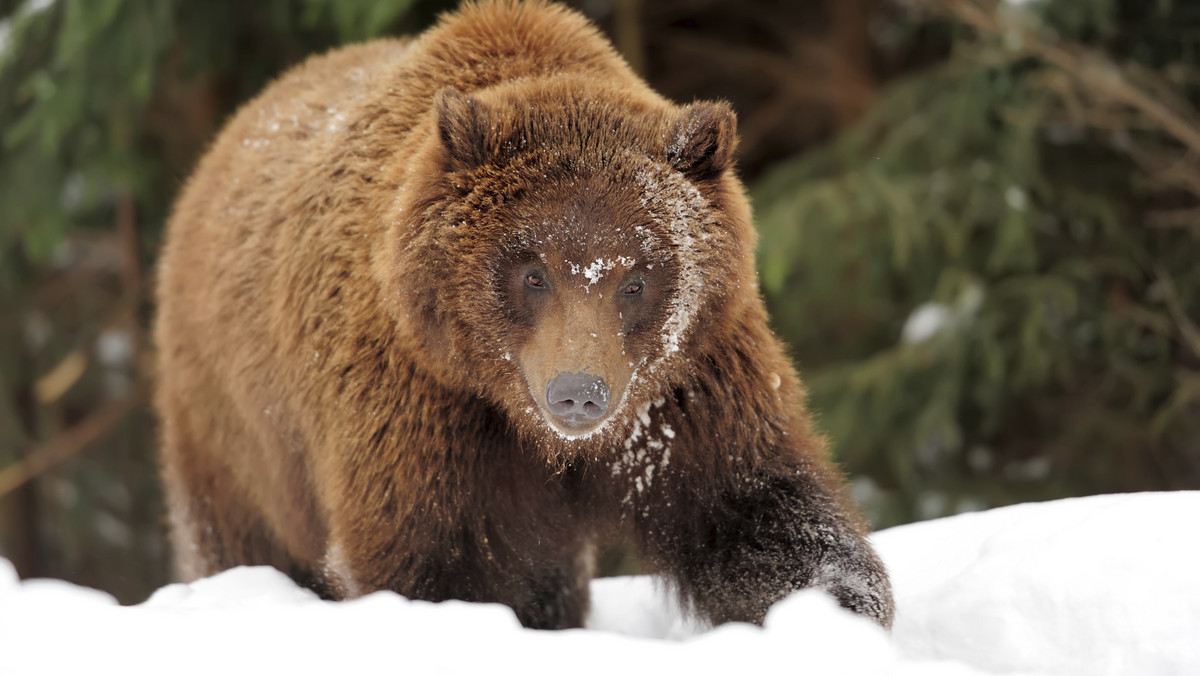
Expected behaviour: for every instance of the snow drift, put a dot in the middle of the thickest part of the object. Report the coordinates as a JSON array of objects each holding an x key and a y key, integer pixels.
[{"x": 1102, "y": 585}]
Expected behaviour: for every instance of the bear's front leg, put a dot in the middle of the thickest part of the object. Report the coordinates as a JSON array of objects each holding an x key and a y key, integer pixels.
[
  {"x": 736, "y": 552},
  {"x": 546, "y": 586}
]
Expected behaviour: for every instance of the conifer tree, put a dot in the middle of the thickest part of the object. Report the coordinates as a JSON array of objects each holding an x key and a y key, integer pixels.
[{"x": 991, "y": 280}]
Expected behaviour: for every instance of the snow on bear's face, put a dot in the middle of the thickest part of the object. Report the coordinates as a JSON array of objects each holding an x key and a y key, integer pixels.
[
  {"x": 586, "y": 283},
  {"x": 584, "y": 244}
]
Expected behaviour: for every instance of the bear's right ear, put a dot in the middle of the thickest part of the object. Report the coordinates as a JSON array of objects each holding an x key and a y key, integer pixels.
[{"x": 461, "y": 128}]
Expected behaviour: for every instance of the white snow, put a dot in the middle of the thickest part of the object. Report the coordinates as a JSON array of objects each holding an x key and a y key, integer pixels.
[
  {"x": 29, "y": 9},
  {"x": 1103, "y": 585},
  {"x": 114, "y": 347},
  {"x": 1016, "y": 198},
  {"x": 925, "y": 322},
  {"x": 595, "y": 270},
  {"x": 932, "y": 318}
]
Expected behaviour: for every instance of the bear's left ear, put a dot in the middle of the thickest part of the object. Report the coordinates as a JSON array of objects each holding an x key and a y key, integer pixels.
[
  {"x": 702, "y": 141},
  {"x": 461, "y": 128}
]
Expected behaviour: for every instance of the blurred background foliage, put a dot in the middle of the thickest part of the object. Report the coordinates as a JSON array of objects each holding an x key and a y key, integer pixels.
[{"x": 978, "y": 224}]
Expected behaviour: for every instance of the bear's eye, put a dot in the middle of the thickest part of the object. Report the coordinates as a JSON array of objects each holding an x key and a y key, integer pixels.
[
  {"x": 632, "y": 289},
  {"x": 535, "y": 281}
]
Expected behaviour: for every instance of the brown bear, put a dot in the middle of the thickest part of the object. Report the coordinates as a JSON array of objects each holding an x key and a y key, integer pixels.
[{"x": 438, "y": 316}]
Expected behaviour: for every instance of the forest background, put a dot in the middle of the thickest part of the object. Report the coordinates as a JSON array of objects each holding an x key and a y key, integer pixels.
[{"x": 979, "y": 230}]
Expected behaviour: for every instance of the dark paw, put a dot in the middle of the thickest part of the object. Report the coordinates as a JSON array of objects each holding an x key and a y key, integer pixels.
[
  {"x": 860, "y": 584},
  {"x": 556, "y": 602}
]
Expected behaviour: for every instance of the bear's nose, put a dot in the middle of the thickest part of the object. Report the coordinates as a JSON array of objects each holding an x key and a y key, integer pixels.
[{"x": 577, "y": 397}]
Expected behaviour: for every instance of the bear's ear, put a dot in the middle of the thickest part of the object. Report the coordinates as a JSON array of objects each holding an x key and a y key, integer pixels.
[
  {"x": 701, "y": 142},
  {"x": 461, "y": 128}
]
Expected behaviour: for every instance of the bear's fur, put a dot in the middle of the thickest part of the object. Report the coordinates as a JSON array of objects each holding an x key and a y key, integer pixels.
[{"x": 383, "y": 262}]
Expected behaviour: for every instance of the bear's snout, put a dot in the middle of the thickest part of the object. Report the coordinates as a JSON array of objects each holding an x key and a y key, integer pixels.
[{"x": 577, "y": 397}]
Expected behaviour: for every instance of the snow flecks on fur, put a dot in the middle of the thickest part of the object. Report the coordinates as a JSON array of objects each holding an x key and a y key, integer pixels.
[
  {"x": 594, "y": 271},
  {"x": 336, "y": 120},
  {"x": 648, "y": 241},
  {"x": 298, "y": 119},
  {"x": 849, "y": 571},
  {"x": 684, "y": 134},
  {"x": 645, "y": 453},
  {"x": 673, "y": 202}
]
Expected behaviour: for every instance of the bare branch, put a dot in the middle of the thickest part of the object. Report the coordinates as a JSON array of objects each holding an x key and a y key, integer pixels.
[
  {"x": 70, "y": 443},
  {"x": 1187, "y": 328}
]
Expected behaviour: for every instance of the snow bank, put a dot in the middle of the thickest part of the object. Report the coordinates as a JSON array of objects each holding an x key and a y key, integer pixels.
[
  {"x": 1101, "y": 585},
  {"x": 1090, "y": 586}
]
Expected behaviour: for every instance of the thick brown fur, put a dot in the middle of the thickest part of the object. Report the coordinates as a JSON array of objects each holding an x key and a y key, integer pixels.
[{"x": 352, "y": 357}]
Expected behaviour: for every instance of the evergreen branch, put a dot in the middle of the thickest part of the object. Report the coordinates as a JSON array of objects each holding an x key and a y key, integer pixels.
[{"x": 1099, "y": 78}]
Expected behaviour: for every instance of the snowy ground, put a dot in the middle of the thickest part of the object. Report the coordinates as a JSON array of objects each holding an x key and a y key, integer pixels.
[{"x": 1104, "y": 585}]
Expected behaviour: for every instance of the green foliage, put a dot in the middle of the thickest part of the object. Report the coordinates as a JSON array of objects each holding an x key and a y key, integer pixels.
[
  {"x": 355, "y": 19},
  {"x": 78, "y": 74},
  {"x": 969, "y": 201},
  {"x": 79, "y": 77}
]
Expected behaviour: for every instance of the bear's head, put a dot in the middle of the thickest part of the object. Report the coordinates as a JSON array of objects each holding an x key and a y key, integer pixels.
[{"x": 570, "y": 250}]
